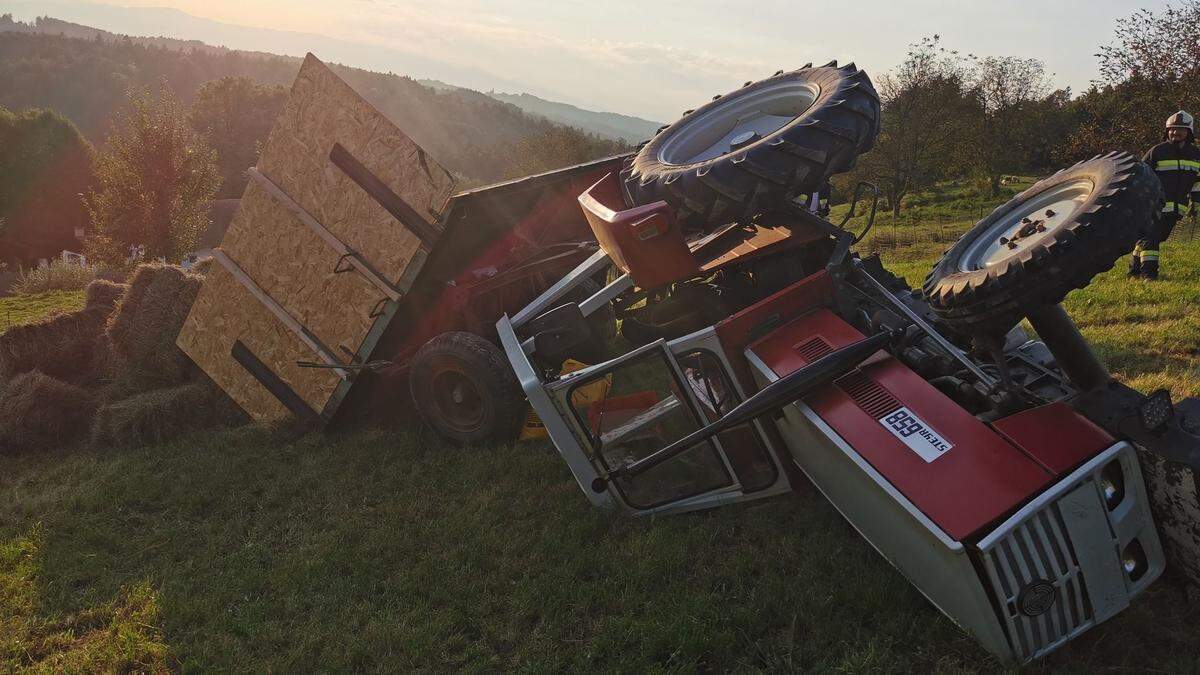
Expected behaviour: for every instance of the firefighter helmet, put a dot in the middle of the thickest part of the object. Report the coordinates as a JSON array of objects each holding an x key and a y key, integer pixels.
[{"x": 1181, "y": 120}]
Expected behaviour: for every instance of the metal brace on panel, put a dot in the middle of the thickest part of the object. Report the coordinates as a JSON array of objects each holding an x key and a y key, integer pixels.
[
  {"x": 306, "y": 336},
  {"x": 354, "y": 259}
]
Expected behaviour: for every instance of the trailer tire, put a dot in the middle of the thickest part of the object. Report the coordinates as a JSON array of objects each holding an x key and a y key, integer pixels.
[
  {"x": 836, "y": 118},
  {"x": 463, "y": 388},
  {"x": 991, "y": 277}
]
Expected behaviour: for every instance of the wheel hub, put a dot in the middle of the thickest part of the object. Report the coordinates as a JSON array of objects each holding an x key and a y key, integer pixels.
[
  {"x": 1033, "y": 224},
  {"x": 458, "y": 398},
  {"x": 739, "y": 121},
  {"x": 744, "y": 138}
]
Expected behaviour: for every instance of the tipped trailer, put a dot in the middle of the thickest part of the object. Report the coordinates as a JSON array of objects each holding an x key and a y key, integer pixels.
[{"x": 354, "y": 281}]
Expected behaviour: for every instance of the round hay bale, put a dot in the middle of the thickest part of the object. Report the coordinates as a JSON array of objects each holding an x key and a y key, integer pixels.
[
  {"x": 145, "y": 323},
  {"x": 165, "y": 414},
  {"x": 40, "y": 413},
  {"x": 64, "y": 346},
  {"x": 104, "y": 293}
]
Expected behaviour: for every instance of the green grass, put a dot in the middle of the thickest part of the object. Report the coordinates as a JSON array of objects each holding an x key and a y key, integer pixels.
[
  {"x": 21, "y": 309},
  {"x": 384, "y": 551},
  {"x": 255, "y": 550}
]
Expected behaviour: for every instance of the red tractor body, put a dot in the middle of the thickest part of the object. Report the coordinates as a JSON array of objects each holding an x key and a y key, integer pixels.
[{"x": 769, "y": 352}]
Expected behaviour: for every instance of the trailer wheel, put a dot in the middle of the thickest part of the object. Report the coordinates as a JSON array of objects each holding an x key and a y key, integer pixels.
[
  {"x": 759, "y": 146},
  {"x": 465, "y": 390},
  {"x": 1045, "y": 242}
]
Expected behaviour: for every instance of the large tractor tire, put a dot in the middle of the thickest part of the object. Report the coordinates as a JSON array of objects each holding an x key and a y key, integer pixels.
[
  {"x": 465, "y": 390},
  {"x": 1045, "y": 242},
  {"x": 757, "y": 147}
]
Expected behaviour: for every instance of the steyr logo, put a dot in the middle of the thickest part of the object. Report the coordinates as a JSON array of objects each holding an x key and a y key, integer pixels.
[{"x": 916, "y": 434}]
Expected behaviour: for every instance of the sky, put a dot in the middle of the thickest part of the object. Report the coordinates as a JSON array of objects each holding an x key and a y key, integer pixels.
[{"x": 652, "y": 59}]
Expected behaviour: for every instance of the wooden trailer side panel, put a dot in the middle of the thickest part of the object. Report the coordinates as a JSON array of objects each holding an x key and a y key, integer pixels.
[{"x": 286, "y": 260}]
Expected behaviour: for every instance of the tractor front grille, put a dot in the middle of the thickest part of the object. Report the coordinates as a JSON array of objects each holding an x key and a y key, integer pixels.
[{"x": 1035, "y": 556}]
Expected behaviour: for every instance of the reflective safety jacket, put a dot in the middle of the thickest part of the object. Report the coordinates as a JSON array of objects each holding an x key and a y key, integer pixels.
[{"x": 1177, "y": 167}]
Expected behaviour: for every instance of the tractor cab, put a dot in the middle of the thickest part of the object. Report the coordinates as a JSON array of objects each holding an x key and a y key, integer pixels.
[{"x": 677, "y": 375}]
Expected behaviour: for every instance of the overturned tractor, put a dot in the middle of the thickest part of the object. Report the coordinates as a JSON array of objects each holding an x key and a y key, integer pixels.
[{"x": 1005, "y": 476}]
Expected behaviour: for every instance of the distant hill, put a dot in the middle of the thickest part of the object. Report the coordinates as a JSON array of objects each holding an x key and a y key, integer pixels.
[
  {"x": 613, "y": 126},
  {"x": 83, "y": 73},
  {"x": 604, "y": 124},
  {"x": 172, "y": 23}
]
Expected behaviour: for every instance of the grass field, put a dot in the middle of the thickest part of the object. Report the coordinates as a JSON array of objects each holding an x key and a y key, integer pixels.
[
  {"x": 22, "y": 309},
  {"x": 256, "y": 550}
]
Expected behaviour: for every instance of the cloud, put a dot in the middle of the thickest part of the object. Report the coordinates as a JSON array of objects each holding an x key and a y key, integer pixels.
[{"x": 605, "y": 73}]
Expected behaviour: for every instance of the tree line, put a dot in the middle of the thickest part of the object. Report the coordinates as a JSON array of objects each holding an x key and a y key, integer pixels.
[
  {"x": 166, "y": 154},
  {"x": 87, "y": 80},
  {"x": 949, "y": 115},
  {"x": 170, "y": 146}
]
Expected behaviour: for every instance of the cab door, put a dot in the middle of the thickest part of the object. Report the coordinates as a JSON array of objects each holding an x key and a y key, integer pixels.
[{"x": 632, "y": 406}]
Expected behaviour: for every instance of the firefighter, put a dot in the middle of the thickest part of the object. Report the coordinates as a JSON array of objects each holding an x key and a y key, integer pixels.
[{"x": 1177, "y": 162}]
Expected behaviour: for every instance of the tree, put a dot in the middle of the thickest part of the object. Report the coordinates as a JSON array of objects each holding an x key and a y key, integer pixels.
[
  {"x": 1009, "y": 89},
  {"x": 1155, "y": 47},
  {"x": 556, "y": 147},
  {"x": 155, "y": 181},
  {"x": 1147, "y": 73},
  {"x": 235, "y": 115},
  {"x": 45, "y": 164},
  {"x": 928, "y": 111}
]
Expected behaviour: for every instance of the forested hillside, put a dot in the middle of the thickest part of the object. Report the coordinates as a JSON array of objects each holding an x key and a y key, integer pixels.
[
  {"x": 86, "y": 81},
  {"x": 605, "y": 124}
]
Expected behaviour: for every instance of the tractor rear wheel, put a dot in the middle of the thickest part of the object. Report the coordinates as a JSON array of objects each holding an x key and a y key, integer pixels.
[
  {"x": 465, "y": 390},
  {"x": 1045, "y": 242},
  {"x": 757, "y": 147}
]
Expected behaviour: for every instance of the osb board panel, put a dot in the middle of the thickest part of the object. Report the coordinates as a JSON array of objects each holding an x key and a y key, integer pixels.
[{"x": 291, "y": 263}]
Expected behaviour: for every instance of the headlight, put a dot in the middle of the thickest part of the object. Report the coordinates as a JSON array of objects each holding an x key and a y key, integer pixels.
[
  {"x": 1156, "y": 410},
  {"x": 1112, "y": 484},
  {"x": 1133, "y": 559}
]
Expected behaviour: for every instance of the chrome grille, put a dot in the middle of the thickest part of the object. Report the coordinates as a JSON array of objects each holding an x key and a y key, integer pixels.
[{"x": 1039, "y": 548}]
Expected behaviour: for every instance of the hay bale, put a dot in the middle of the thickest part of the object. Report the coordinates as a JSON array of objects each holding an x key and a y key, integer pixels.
[
  {"x": 39, "y": 413},
  {"x": 165, "y": 414},
  {"x": 64, "y": 346},
  {"x": 104, "y": 293},
  {"x": 145, "y": 323}
]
